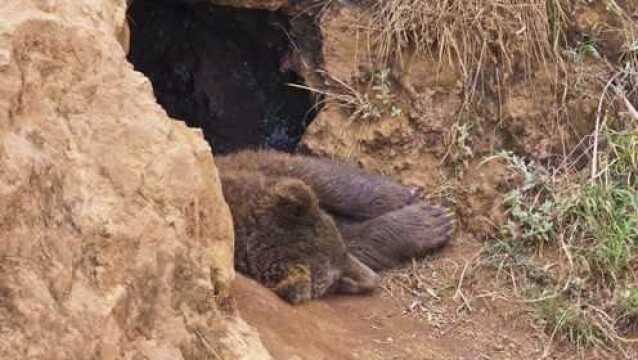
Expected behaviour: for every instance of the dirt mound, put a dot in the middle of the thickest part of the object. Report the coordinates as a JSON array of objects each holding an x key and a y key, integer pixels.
[{"x": 106, "y": 249}]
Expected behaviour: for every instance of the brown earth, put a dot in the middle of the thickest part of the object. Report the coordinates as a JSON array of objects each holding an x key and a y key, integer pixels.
[
  {"x": 336, "y": 328},
  {"x": 394, "y": 325}
]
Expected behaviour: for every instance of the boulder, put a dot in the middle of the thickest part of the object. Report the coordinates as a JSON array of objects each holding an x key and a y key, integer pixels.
[{"x": 115, "y": 240}]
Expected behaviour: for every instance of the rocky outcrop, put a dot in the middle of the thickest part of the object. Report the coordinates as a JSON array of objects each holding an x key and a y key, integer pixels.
[{"x": 115, "y": 241}]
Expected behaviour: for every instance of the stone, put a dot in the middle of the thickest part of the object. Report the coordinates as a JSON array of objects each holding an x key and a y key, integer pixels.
[{"x": 115, "y": 240}]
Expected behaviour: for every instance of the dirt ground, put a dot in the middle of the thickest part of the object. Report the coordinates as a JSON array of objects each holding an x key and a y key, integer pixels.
[{"x": 391, "y": 325}]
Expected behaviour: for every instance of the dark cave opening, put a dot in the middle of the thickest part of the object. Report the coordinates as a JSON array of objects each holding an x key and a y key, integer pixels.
[{"x": 224, "y": 70}]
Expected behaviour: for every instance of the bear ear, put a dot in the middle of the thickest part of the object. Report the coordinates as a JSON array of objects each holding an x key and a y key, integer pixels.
[
  {"x": 357, "y": 278},
  {"x": 296, "y": 286},
  {"x": 294, "y": 198}
]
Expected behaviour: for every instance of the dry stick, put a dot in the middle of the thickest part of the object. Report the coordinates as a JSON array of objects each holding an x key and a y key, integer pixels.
[
  {"x": 565, "y": 164},
  {"x": 548, "y": 345},
  {"x": 514, "y": 285},
  {"x": 594, "y": 162},
  {"x": 459, "y": 291},
  {"x": 630, "y": 108},
  {"x": 605, "y": 325}
]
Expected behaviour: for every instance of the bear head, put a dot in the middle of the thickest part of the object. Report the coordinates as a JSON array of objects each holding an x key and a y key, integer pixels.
[{"x": 284, "y": 240}]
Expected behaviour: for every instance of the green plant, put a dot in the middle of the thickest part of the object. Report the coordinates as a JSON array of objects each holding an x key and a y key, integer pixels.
[
  {"x": 531, "y": 207},
  {"x": 529, "y": 221},
  {"x": 628, "y": 305},
  {"x": 381, "y": 85},
  {"x": 622, "y": 157},
  {"x": 569, "y": 322},
  {"x": 606, "y": 220},
  {"x": 593, "y": 222},
  {"x": 587, "y": 48}
]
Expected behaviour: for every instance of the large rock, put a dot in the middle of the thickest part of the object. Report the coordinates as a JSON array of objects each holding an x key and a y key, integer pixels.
[{"x": 115, "y": 241}]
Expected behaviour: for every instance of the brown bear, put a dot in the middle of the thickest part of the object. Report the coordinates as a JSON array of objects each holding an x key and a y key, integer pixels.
[
  {"x": 383, "y": 223},
  {"x": 390, "y": 239},
  {"x": 293, "y": 214},
  {"x": 285, "y": 241},
  {"x": 342, "y": 189}
]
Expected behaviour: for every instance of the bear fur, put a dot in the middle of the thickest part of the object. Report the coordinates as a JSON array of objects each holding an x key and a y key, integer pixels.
[
  {"x": 395, "y": 237},
  {"x": 342, "y": 189},
  {"x": 311, "y": 214},
  {"x": 285, "y": 241}
]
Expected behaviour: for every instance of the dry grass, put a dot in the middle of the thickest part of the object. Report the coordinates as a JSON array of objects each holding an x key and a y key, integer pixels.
[
  {"x": 475, "y": 35},
  {"x": 492, "y": 43},
  {"x": 424, "y": 286},
  {"x": 364, "y": 99},
  {"x": 349, "y": 98},
  {"x": 435, "y": 290}
]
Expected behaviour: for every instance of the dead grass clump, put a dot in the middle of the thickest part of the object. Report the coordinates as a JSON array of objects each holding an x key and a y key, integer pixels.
[
  {"x": 484, "y": 39},
  {"x": 514, "y": 35},
  {"x": 366, "y": 99},
  {"x": 423, "y": 288}
]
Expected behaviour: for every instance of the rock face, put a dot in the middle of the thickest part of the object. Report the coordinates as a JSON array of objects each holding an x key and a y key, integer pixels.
[{"x": 115, "y": 241}]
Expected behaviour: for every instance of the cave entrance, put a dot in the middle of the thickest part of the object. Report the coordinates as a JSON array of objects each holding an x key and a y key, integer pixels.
[{"x": 224, "y": 70}]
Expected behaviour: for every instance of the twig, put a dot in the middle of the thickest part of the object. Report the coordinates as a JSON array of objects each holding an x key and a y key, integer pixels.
[
  {"x": 547, "y": 348},
  {"x": 594, "y": 162},
  {"x": 630, "y": 108},
  {"x": 459, "y": 291}
]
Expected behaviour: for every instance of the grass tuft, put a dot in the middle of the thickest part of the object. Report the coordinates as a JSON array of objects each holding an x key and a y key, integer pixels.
[
  {"x": 569, "y": 322},
  {"x": 516, "y": 35}
]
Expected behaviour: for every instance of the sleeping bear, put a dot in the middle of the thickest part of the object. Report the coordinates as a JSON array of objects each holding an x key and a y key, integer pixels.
[{"x": 306, "y": 227}]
